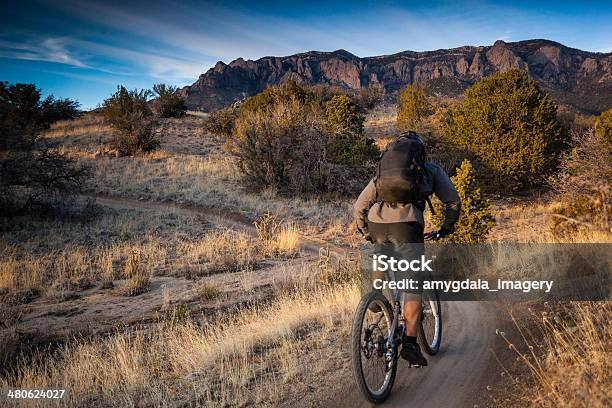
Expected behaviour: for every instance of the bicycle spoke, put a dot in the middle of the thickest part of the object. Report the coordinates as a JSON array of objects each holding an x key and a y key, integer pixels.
[{"x": 374, "y": 367}]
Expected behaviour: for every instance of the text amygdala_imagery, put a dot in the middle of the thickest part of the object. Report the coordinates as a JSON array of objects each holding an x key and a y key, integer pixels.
[{"x": 525, "y": 286}]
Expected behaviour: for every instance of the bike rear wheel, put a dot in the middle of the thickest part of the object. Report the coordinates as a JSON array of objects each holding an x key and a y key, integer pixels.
[
  {"x": 373, "y": 372},
  {"x": 430, "y": 331}
]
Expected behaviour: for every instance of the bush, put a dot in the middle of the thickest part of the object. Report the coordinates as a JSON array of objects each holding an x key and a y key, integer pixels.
[
  {"x": 128, "y": 112},
  {"x": 476, "y": 219},
  {"x": 221, "y": 123},
  {"x": 58, "y": 109},
  {"x": 343, "y": 116},
  {"x": 347, "y": 143},
  {"x": 280, "y": 147},
  {"x": 510, "y": 126},
  {"x": 31, "y": 172},
  {"x": 371, "y": 96},
  {"x": 168, "y": 103},
  {"x": 286, "y": 91},
  {"x": 414, "y": 106},
  {"x": 603, "y": 127},
  {"x": 584, "y": 183},
  {"x": 285, "y": 137}
]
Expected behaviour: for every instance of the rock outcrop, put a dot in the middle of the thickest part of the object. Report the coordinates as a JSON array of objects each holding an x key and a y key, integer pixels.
[{"x": 580, "y": 79}]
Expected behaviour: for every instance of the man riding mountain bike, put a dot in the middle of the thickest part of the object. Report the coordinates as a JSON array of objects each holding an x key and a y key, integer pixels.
[{"x": 389, "y": 213}]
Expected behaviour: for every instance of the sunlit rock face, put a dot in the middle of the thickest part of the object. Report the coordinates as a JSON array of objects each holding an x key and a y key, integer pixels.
[{"x": 573, "y": 77}]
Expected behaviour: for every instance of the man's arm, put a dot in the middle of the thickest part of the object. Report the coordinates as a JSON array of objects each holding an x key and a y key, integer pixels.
[
  {"x": 446, "y": 192},
  {"x": 366, "y": 199}
]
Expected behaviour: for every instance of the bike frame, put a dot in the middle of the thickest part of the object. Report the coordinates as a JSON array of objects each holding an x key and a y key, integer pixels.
[{"x": 398, "y": 318}]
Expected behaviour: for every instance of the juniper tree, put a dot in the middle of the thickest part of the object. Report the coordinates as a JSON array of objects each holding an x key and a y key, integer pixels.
[
  {"x": 414, "y": 106},
  {"x": 476, "y": 219},
  {"x": 511, "y": 127}
]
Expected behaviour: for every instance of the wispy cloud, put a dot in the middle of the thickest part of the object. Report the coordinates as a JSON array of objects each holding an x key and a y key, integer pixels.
[
  {"x": 140, "y": 42},
  {"x": 50, "y": 49}
]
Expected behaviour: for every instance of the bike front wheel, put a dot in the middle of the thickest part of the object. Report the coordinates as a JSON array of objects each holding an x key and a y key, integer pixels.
[
  {"x": 430, "y": 331},
  {"x": 374, "y": 368}
]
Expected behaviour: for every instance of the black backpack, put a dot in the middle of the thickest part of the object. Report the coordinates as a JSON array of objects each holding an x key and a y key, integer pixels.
[{"x": 401, "y": 171}]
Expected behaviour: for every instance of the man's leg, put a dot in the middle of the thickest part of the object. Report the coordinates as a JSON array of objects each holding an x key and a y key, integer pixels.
[{"x": 412, "y": 313}]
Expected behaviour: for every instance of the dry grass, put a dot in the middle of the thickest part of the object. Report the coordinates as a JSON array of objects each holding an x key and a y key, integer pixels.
[
  {"x": 136, "y": 269},
  {"x": 208, "y": 292},
  {"x": 90, "y": 126},
  {"x": 126, "y": 244},
  {"x": 190, "y": 167},
  {"x": 275, "y": 237},
  {"x": 245, "y": 358},
  {"x": 381, "y": 122},
  {"x": 250, "y": 356},
  {"x": 569, "y": 358}
]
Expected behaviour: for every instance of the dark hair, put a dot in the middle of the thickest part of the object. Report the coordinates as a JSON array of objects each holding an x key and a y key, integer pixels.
[{"x": 414, "y": 136}]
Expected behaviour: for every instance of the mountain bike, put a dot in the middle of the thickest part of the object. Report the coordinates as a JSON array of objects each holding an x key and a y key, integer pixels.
[{"x": 376, "y": 338}]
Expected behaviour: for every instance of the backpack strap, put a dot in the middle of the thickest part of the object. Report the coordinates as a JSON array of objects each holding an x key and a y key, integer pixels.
[{"x": 430, "y": 206}]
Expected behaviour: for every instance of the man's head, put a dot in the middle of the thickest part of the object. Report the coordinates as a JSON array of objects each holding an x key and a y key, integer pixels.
[{"x": 414, "y": 136}]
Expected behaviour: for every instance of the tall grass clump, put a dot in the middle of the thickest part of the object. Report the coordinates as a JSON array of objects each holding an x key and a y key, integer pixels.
[
  {"x": 276, "y": 238},
  {"x": 566, "y": 351},
  {"x": 136, "y": 270}
]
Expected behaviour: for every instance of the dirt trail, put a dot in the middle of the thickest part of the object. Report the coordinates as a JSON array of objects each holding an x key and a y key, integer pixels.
[
  {"x": 221, "y": 217},
  {"x": 456, "y": 377}
]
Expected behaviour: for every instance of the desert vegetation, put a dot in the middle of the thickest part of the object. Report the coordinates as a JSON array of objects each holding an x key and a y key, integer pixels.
[
  {"x": 292, "y": 138},
  {"x": 414, "y": 106},
  {"x": 583, "y": 181},
  {"x": 129, "y": 114},
  {"x": 167, "y": 102},
  {"x": 511, "y": 127},
  {"x": 192, "y": 274},
  {"x": 32, "y": 172},
  {"x": 564, "y": 348},
  {"x": 476, "y": 219}
]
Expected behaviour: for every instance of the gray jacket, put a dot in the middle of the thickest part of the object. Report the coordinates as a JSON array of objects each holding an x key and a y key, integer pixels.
[{"x": 367, "y": 208}]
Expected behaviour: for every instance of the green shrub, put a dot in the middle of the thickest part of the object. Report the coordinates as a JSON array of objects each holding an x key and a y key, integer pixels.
[
  {"x": 343, "y": 116},
  {"x": 510, "y": 125},
  {"x": 275, "y": 95},
  {"x": 414, "y": 106},
  {"x": 603, "y": 126},
  {"x": 285, "y": 138},
  {"x": 280, "y": 146},
  {"x": 31, "y": 172},
  {"x": 347, "y": 143},
  {"x": 128, "y": 112},
  {"x": 476, "y": 219},
  {"x": 221, "y": 123},
  {"x": 168, "y": 104}
]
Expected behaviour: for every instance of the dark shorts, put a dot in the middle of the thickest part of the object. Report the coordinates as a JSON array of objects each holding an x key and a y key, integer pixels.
[
  {"x": 400, "y": 240},
  {"x": 396, "y": 232}
]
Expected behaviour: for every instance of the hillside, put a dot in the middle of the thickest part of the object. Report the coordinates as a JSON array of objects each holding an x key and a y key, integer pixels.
[{"x": 580, "y": 79}]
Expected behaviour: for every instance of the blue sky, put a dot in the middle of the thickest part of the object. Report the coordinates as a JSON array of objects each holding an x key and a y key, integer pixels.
[{"x": 84, "y": 49}]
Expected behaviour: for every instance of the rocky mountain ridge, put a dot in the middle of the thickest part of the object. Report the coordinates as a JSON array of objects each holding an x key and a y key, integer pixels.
[{"x": 579, "y": 79}]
